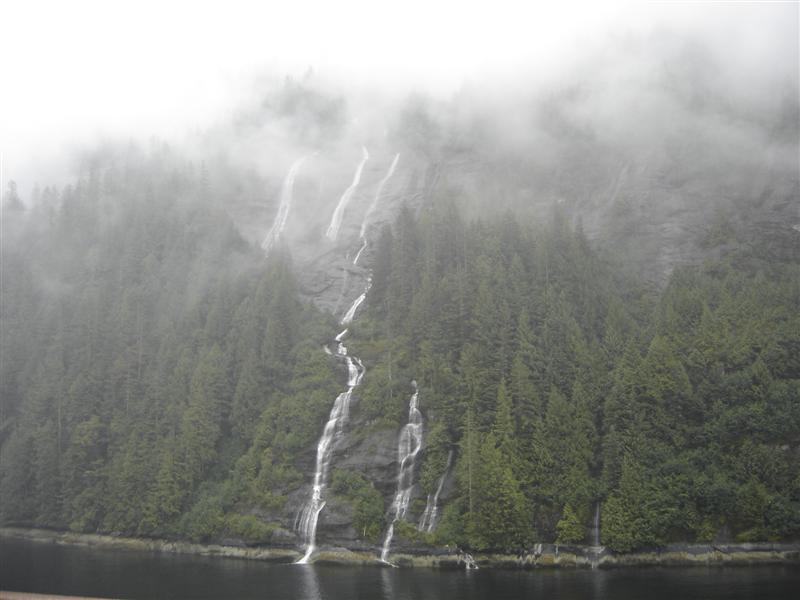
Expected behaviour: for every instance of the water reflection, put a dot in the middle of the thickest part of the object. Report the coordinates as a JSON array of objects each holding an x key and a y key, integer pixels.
[
  {"x": 78, "y": 571},
  {"x": 309, "y": 582},
  {"x": 599, "y": 580},
  {"x": 387, "y": 583}
]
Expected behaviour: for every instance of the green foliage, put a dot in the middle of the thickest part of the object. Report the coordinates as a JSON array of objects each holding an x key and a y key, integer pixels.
[
  {"x": 172, "y": 375},
  {"x": 204, "y": 520},
  {"x": 570, "y": 528},
  {"x": 626, "y": 521},
  {"x": 367, "y": 503},
  {"x": 434, "y": 458},
  {"x": 407, "y": 531},
  {"x": 249, "y": 527},
  {"x": 18, "y": 479},
  {"x": 667, "y": 406},
  {"x": 451, "y": 529},
  {"x": 160, "y": 377},
  {"x": 497, "y": 519}
]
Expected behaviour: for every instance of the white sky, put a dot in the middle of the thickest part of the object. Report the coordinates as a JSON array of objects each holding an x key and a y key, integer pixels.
[{"x": 73, "y": 70}]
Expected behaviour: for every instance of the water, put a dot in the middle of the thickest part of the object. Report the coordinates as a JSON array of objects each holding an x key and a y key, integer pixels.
[
  {"x": 469, "y": 562},
  {"x": 308, "y": 518},
  {"x": 49, "y": 568},
  {"x": 378, "y": 194},
  {"x": 596, "y": 526},
  {"x": 283, "y": 208},
  {"x": 309, "y": 515},
  {"x": 428, "y": 519},
  {"x": 360, "y": 250},
  {"x": 351, "y": 312},
  {"x": 382, "y": 184},
  {"x": 407, "y": 449},
  {"x": 336, "y": 221}
]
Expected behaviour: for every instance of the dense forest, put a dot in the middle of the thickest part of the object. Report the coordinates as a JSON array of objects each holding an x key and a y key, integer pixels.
[
  {"x": 146, "y": 346},
  {"x": 561, "y": 385},
  {"x": 160, "y": 377}
]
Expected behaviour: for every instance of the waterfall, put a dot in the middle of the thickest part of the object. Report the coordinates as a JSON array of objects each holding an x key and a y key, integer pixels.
[
  {"x": 309, "y": 516},
  {"x": 469, "y": 562},
  {"x": 283, "y": 208},
  {"x": 407, "y": 449},
  {"x": 351, "y": 312},
  {"x": 596, "y": 550},
  {"x": 377, "y": 196},
  {"x": 360, "y": 250},
  {"x": 330, "y": 435},
  {"x": 596, "y": 526},
  {"x": 336, "y": 222},
  {"x": 428, "y": 519},
  {"x": 363, "y": 233}
]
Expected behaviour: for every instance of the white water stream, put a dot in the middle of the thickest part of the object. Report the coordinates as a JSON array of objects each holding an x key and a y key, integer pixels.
[
  {"x": 407, "y": 449},
  {"x": 309, "y": 515},
  {"x": 596, "y": 525},
  {"x": 469, "y": 562},
  {"x": 287, "y": 189},
  {"x": 428, "y": 519},
  {"x": 330, "y": 435},
  {"x": 336, "y": 221},
  {"x": 378, "y": 193}
]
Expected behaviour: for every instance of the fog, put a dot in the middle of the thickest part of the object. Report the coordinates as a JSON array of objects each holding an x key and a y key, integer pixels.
[
  {"x": 86, "y": 71},
  {"x": 575, "y": 226}
]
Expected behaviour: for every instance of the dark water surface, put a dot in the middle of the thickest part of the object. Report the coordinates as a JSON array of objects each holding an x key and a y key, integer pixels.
[{"x": 48, "y": 568}]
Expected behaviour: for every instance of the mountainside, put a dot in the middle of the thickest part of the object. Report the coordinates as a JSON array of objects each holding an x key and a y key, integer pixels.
[
  {"x": 160, "y": 377},
  {"x": 564, "y": 314},
  {"x": 659, "y": 152}
]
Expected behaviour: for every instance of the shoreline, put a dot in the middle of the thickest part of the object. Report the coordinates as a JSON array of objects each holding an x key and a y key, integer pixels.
[{"x": 544, "y": 556}]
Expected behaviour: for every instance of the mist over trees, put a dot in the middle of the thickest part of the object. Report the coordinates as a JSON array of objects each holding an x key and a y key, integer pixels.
[
  {"x": 562, "y": 384},
  {"x": 160, "y": 377},
  {"x": 143, "y": 341},
  {"x": 592, "y": 273}
]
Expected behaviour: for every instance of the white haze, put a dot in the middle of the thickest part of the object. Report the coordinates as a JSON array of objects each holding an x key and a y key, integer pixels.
[{"x": 75, "y": 72}]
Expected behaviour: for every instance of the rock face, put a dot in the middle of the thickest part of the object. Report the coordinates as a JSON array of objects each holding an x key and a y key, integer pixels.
[
  {"x": 325, "y": 268},
  {"x": 651, "y": 218},
  {"x": 328, "y": 276},
  {"x": 678, "y": 200},
  {"x": 375, "y": 457},
  {"x": 372, "y": 456},
  {"x": 652, "y": 214}
]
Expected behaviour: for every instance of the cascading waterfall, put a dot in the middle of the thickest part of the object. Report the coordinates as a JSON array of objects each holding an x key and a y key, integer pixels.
[
  {"x": 596, "y": 526},
  {"x": 428, "y": 519},
  {"x": 469, "y": 562},
  {"x": 336, "y": 221},
  {"x": 309, "y": 516},
  {"x": 363, "y": 233},
  {"x": 283, "y": 208},
  {"x": 360, "y": 250},
  {"x": 407, "y": 449},
  {"x": 596, "y": 549},
  {"x": 351, "y": 312},
  {"x": 330, "y": 435}
]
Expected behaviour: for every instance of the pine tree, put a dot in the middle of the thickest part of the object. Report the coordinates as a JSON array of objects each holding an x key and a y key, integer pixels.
[
  {"x": 250, "y": 398},
  {"x": 498, "y": 515},
  {"x": 570, "y": 529},
  {"x": 503, "y": 428}
]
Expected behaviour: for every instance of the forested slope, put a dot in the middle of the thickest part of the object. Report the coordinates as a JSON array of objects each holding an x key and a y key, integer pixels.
[
  {"x": 160, "y": 377},
  {"x": 149, "y": 355},
  {"x": 561, "y": 385}
]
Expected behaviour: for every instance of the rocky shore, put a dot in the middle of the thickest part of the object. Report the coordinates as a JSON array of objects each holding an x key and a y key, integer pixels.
[{"x": 541, "y": 556}]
